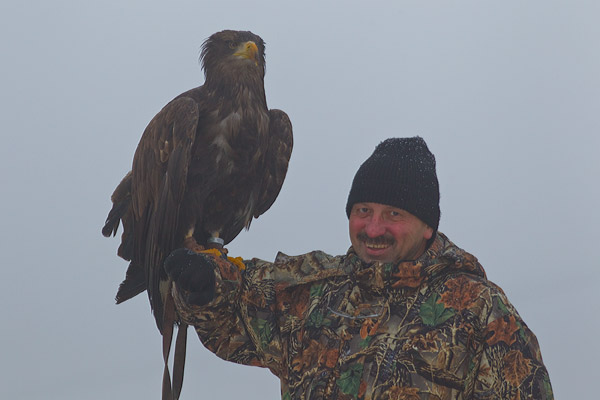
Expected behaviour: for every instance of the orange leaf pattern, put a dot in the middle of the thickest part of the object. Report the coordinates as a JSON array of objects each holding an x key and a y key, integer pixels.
[
  {"x": 504, "y": 330},
  {"x": 461, "y": 292},
  {"x": 516, "y": 368},
  {"x": 408, "y": 275}
]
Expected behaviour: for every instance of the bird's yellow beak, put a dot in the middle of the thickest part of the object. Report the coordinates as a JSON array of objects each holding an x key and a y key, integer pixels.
[{"x": 248, "y": 50}]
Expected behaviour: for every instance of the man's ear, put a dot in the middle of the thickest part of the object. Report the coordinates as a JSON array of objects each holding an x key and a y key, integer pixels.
[{"x": 428, "y": 233}]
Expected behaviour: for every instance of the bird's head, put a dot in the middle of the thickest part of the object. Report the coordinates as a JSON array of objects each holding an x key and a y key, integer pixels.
[{"x": 233, "y": 52}]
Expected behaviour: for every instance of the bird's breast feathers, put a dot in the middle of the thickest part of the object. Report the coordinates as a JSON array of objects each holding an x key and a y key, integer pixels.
[{"x": 238, "y": 138}]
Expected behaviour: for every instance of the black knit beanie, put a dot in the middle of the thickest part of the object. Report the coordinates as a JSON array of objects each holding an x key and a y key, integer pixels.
[{"x": 399, "y": 173}]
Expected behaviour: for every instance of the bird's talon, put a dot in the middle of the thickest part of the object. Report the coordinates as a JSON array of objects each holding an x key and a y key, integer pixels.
[
  {"x": 217, "y": 246},
  {"x": 191, "y": 244}
]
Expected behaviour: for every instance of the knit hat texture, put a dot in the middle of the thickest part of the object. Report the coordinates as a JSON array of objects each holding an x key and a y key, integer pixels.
[{"x": 400, "y": 173}]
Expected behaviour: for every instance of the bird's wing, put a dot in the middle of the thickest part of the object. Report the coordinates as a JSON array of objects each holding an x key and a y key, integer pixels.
[
  {"x": 278, "y": 157},
  {"x": 159, "y": 175}
]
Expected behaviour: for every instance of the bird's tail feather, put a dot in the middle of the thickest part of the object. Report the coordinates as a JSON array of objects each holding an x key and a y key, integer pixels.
[
  {"x": 133, "y": 284},
  {"x": 114, "y": 217}
]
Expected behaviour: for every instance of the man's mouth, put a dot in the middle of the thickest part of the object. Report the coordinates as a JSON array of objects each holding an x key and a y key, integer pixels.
[
  {"x": 376, "y": 243},
  {"x": 376, "y": 246}
]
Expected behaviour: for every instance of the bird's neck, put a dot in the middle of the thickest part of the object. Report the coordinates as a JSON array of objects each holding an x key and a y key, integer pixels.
[{"x": 240, "y": 89}]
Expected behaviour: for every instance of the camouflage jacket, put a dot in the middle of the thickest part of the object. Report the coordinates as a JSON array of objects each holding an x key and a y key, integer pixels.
[{"x": 337, "y": 328}]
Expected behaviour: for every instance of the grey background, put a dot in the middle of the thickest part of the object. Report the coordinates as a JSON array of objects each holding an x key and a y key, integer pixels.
[{"x": 506, "y": 94}]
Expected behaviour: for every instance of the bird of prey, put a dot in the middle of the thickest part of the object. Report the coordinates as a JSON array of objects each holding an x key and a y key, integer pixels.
[{"x": 210, "y": 161}]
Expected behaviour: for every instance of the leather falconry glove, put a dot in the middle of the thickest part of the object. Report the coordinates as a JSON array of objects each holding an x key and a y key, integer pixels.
[{"x": 194, "y": 275}]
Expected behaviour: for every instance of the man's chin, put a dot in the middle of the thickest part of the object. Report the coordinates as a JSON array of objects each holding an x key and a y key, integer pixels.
[{"x": 379, "y": 255}]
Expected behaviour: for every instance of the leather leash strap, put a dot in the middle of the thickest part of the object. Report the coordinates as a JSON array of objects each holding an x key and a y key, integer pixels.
[
  {"x": 172, "y": 392},
  {"x": 179, "y": 359}
]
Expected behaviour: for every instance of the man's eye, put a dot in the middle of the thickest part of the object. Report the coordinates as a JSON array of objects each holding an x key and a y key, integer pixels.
[{"x": 395, "y": 215}]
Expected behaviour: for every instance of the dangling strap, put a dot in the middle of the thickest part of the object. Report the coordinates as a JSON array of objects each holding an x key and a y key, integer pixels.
[
  {"x": 167, "y": 336},
  {"x": 168, "y": 392},
  {"x": 179, "y": 359}
]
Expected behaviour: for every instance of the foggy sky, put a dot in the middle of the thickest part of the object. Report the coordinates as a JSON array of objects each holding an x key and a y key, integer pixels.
[{"x": 506, "y": 94}]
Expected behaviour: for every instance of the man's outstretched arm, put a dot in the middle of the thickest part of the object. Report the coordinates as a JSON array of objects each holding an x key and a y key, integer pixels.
[{"x": 227, "y": 307}]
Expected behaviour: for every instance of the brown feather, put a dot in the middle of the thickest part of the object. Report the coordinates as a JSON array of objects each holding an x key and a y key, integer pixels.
[
  {"x": 158, "y": 188},
  {"x": 277, "y": 159}
]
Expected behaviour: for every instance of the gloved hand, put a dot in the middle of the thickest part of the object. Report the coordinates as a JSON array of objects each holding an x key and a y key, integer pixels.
[{"x": 194, "y": 275}]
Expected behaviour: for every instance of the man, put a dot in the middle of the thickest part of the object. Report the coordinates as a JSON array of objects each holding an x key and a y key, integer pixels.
[{"x": 404, "y": 314}]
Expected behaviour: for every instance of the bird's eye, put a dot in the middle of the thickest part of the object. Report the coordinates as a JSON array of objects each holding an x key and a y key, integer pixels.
[{"x": 232, "y": 45}]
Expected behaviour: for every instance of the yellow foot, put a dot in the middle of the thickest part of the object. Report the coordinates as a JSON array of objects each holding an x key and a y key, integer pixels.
[
  {"x": 215, "y": 242},
  {"x": 214, "y": 252},
  {"x": 238, "y": 262}
]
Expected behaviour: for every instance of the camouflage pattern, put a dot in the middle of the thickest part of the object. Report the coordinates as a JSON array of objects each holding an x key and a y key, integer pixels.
[{"x": 337, "y": 328}]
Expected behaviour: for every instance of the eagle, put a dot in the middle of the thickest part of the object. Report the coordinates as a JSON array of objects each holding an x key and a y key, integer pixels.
[{"x": 210, "y": 161}]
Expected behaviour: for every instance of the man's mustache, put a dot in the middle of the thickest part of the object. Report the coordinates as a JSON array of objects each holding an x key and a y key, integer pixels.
[{"x": 385, "y": 239}]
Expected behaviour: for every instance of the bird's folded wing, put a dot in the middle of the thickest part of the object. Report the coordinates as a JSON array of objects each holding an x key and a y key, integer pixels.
[
  {"x": 159, "y": 175},
  {"x": 277, "y": 159}
]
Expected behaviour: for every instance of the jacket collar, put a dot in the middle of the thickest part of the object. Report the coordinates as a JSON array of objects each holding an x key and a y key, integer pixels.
[{"x": 441, "y": 258}]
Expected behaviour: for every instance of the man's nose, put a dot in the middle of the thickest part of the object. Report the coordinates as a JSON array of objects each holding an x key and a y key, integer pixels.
[{"x": 375, "y": 226}]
